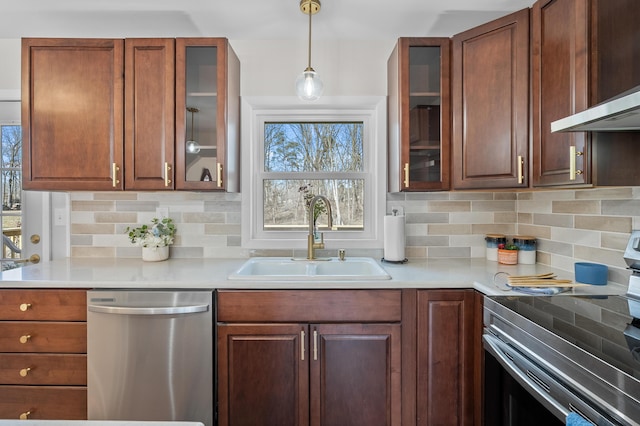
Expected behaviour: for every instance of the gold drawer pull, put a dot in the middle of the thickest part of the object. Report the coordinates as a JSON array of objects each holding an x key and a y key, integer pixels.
[
  {"x": 25, "y": 338},
  {"x": 167, "y": 174},
  {"x": 25, "y": 415},
  {"x": 406, "y": 175},
  {"x": 25, "y": 371},
  {"x": 25, "y": 306}
]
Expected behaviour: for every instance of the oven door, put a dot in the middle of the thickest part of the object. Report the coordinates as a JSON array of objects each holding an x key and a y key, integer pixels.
[{"x": 521, "y": 392}]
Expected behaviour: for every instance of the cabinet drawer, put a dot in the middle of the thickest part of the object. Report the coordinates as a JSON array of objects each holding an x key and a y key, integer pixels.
[
  {"x": 43, "y": 369},
  {"x": 310, "y": 306},
  {"x": 43, "y": 402},
  {"x": 43, "y": 305},
  {"x": 55, "y": 337}
]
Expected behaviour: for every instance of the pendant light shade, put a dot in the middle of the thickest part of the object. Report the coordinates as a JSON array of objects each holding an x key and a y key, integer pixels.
[{"x": 309, "y": 87}]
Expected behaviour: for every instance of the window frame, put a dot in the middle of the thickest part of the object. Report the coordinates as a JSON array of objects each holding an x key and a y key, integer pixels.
[{"x": 256, "y": 111}]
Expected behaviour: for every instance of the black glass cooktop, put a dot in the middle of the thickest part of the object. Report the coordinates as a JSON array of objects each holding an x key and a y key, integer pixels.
[{"x": 607, "y": 327}]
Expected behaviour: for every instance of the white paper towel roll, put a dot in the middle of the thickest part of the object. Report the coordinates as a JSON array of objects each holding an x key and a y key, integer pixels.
[{"x": 394, "y": 238}]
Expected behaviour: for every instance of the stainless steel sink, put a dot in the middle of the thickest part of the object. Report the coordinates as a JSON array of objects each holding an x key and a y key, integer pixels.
[{"x": 288, "y": 269}]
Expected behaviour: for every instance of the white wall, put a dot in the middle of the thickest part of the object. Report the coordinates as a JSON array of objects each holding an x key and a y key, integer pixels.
[
  {"x": 347, "y": 68},
  {"x": 10, "y": 69}
]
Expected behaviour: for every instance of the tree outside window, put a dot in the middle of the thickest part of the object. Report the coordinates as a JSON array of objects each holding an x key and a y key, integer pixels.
[{"x": 304, "y": 159}]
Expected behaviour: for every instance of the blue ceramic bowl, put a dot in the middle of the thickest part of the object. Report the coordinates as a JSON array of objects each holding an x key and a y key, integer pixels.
[{"x": 591, "y": 273}]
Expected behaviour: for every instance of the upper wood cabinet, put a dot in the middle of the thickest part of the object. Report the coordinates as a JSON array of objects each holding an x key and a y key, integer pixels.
[
  {"x": 149, "y": 113},
  {"x": 490, "y": 102},
  {"x": 419, "y": 115},
  {"x": 560, "y": 85},
  {"x": 72, "y": 113},
  {"x": 207, "y": 115},
  {"x": 615, "y": 68},
  {"x": 114, "y": 114}
]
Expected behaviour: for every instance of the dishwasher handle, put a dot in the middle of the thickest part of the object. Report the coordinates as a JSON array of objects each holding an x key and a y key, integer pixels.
[{"x": 159, "y": 310}]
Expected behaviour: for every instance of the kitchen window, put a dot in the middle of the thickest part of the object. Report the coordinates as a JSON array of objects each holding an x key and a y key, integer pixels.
[{"x": 335, "y": 150}]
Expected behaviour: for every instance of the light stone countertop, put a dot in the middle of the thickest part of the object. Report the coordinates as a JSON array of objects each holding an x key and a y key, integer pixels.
[{"x": 212, "y": 274}]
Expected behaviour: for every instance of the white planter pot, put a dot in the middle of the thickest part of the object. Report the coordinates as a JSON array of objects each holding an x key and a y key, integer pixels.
[{"x": 153, "y": 254}]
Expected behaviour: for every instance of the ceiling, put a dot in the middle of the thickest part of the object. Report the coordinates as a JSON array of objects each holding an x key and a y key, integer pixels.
[{"x": 248, "y": 19}]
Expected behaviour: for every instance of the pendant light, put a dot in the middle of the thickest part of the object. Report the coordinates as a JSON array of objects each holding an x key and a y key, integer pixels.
[
  {"x": 192, "y": 146},
  {"x": 308, "y": 85}
]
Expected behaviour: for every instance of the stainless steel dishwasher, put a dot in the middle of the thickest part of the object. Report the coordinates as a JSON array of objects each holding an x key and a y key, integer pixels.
[{"x": 150, "y": 355}]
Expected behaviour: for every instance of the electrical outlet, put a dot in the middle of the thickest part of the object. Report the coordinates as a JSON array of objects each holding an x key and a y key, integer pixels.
[
  {"x": 162, "y": 212},
  {"x": 397, "y": 211}
]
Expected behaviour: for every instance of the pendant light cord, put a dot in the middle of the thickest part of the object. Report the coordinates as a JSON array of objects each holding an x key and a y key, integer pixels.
[{"x": 309, "y": 66}]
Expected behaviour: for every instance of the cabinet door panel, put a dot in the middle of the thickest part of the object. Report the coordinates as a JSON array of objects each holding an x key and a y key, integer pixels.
[
  {"x": 355, "y": 375},
  {"x": 560, "y": 86},
  {"x": 445, "y": 357},
  {"x": 72, "y": 104},
  {"x": 263, "y": 375},
  {"x": 207, "y": 113},
  {"x": 418, "y": 114},
  {"x": 149, "y": 113},
  {"x": 491, "y": 104}
]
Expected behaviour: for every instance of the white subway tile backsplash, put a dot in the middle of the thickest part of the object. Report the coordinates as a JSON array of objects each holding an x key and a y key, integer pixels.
[{"x": 591, "y": 224}]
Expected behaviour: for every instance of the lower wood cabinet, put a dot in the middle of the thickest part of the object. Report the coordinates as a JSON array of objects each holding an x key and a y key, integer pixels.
[
  {"x": 441, "y": 358},
  {"x": 43, "y": 361},
  {"x": 327, "y": 369}
]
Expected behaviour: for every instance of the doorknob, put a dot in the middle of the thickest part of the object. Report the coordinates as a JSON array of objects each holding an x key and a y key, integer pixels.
[
  {"x": 34, "y": 258},
  {"x": 35, "y": 239}
]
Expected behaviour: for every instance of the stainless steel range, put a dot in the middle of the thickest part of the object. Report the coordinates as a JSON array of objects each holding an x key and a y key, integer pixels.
[{"x": 548, "y": 356}]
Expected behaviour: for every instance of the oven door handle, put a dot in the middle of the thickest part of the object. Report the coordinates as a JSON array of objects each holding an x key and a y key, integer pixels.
[{"x": 531, "y": 382}]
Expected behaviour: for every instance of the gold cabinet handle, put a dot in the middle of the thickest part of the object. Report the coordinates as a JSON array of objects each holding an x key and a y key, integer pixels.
[
  {"x": 114, "y": 175},
  {"x": 406, "y": 175},
  {"x": 520, "y": 169},
  {"x": 25, "y": 306},
  {"x": 572, "y": 162},
  {"x": 315, "y": 345},
  {"x": 301, "y": 345},
  {"x": 167, "y": 174},
  {"x": 25, "y": 415},
  {"x": 25, "y": 338},
  {"x": 219, "y": 175},
  {"x": 25, "y": 371},
  {"x": 34, "y": 258}
]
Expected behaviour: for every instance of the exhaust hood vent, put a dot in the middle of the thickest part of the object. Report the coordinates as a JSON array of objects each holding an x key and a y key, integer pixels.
[{"x": 619, "y": 114}]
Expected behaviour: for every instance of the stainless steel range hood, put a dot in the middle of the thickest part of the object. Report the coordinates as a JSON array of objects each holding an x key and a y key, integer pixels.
[{"x": 621, "y": 113}]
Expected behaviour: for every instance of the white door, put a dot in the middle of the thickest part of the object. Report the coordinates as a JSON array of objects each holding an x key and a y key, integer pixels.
[{"x": 23, "y": 214}]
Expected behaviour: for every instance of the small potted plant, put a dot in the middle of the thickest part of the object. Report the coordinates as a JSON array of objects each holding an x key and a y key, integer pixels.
[
  {"x": 508, "y": 254},
  {"x": 155, "y": 239}
]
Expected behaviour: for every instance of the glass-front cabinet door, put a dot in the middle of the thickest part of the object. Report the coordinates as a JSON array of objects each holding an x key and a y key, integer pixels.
[
  {"x": 207, "y": 114},
  {"x": 419, "y": 128}
]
